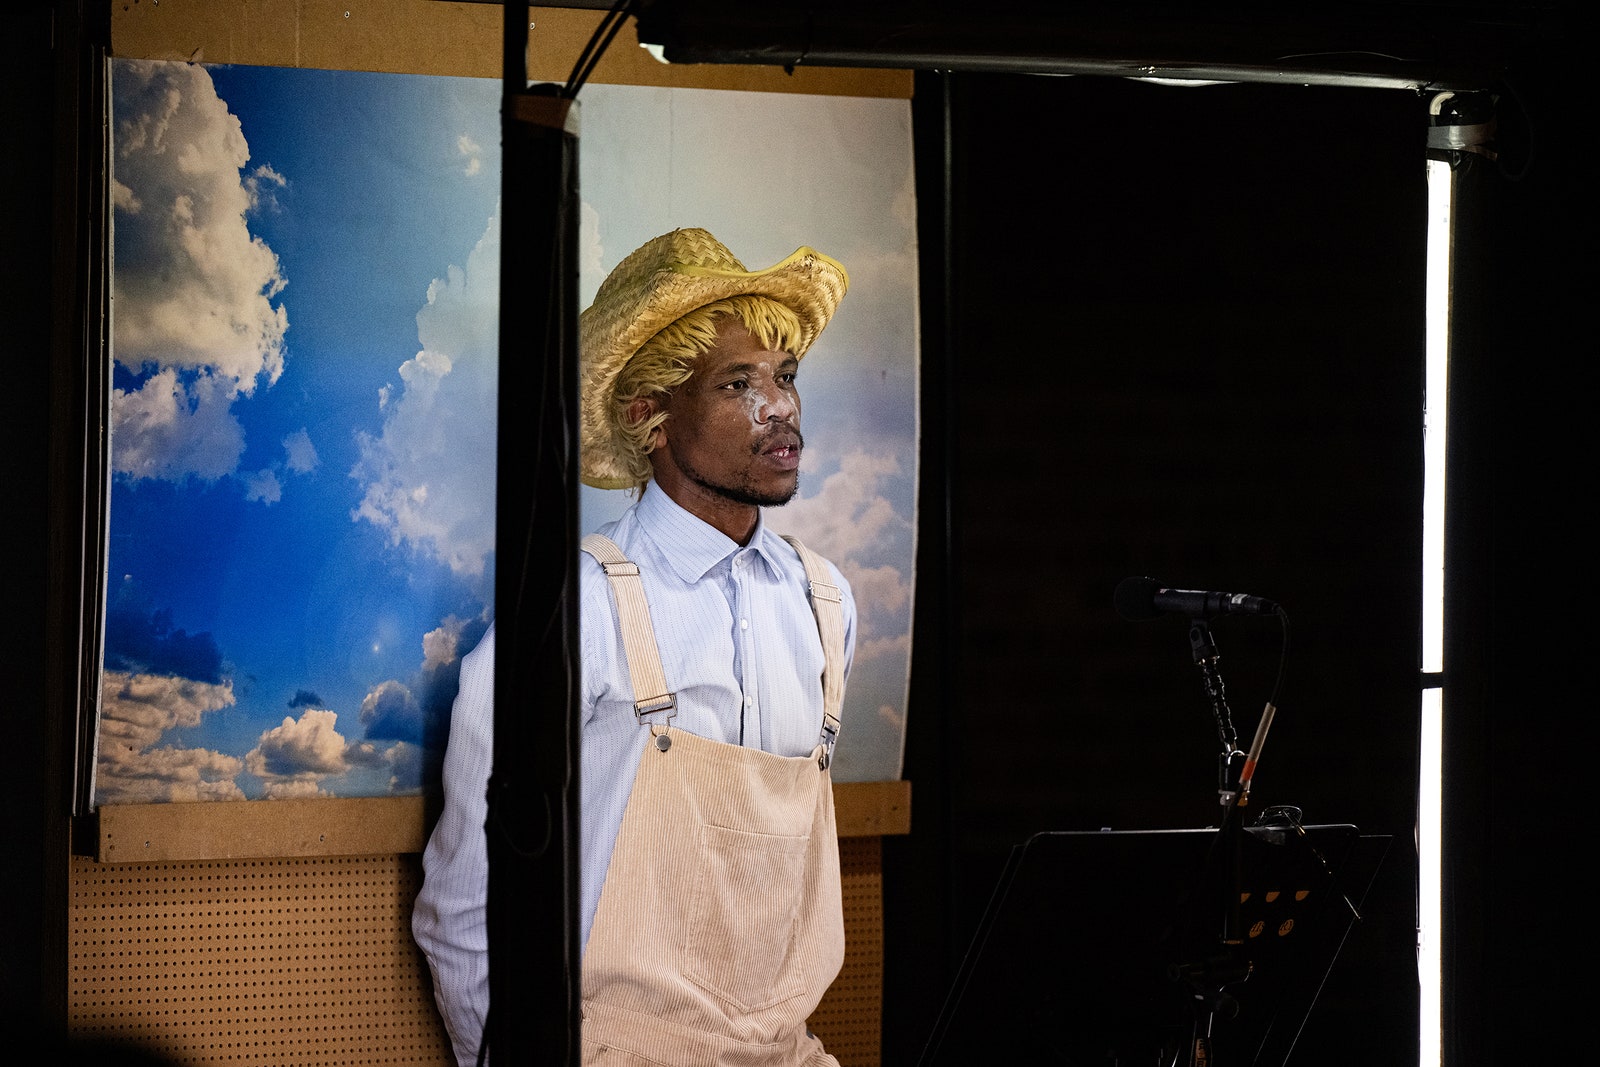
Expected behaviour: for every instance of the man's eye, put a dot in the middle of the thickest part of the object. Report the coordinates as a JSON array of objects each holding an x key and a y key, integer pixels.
[
  {"x": 738, "y": 385},
  {"x": 787, "y": 379}
]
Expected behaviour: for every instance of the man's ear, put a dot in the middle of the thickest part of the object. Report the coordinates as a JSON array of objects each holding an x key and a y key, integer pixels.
[{"x": 641, "y": 410}]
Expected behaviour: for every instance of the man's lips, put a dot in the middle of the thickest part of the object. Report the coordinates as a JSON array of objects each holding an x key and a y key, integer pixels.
[{"x": 782, "y": 449}]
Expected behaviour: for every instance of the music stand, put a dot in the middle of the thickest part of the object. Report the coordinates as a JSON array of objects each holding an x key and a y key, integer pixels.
[{"x": 1093, "y": 944}]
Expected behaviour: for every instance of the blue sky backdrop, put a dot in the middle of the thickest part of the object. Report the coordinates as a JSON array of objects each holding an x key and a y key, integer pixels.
[{"x": 305, "y": 284}]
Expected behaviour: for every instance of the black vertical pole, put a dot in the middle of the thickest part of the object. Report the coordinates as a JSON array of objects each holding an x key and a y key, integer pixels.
[
  {"x": 1461, "y": 132},
  {"x": 533, "y": 787}
]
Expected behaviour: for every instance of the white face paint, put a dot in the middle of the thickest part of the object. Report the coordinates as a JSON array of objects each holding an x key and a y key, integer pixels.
[{"x": 756, "y": 396}]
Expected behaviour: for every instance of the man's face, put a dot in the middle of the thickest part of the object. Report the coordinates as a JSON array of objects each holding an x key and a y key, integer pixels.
[{"x": 733, "y": 429}]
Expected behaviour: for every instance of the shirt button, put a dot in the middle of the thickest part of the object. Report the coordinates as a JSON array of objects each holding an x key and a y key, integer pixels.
[{"x": 744, "y": 624}]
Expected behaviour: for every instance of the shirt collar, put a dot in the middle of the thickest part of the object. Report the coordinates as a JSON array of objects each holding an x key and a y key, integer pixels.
[{"x": 692, "y": 546}]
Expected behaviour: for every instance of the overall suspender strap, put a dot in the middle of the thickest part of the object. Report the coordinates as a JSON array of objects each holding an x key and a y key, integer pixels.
[
  {"x": 638, "y": 634},
  {"x": 828, "y": 606}
]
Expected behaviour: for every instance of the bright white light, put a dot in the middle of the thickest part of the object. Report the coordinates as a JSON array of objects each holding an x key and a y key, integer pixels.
[
  {"x": 1430, "y": 776},
  {"x": 1434, "y": 413},
  {"x": 1429, "y": 970}
]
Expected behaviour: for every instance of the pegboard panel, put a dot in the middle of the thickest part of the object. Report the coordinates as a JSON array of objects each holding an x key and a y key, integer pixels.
[
  {"x": 310, "y": 960},
  {"x": 850, "y": 1018},
  {"x": 269, "y": 961}
]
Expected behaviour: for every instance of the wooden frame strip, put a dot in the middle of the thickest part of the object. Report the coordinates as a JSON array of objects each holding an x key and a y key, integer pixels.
[{"x": 366, "y": 826}]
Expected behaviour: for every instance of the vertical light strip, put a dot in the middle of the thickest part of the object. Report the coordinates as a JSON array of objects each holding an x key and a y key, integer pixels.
[
  {"x": 1430, "y": 770},
  {"x": 1437, "y": 357},
  {"x": 1429, "y": 972}
]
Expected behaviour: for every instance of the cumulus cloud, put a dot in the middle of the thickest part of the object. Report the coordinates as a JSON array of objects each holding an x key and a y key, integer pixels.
[
  {"x": 404, "y": 724},
  {"x": 390, "y": 712},
  {"x": 291, "y": 759},
  {"x": 440, "y": 645},
  {"x": 893, "y": 646},
  {"x": 439, "y": 677},
  {"x": 365, "y": 754},
  {"x": 193, "y": 289},
  {"x": 848, "y": 515},
  {"x": 847, "y": 520},
  {"x": 171, "y": 428},
  {"x": 158, "y": 677},
  {"x": 882, "y": 588},
  {"x": 428, "y": 476},
  {"x": 406, "y": 764},
  {"x": 136, "y": 709}
]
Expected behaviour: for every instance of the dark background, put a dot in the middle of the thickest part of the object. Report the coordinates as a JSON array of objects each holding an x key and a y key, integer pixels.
[
  {"x": 1173, "y": 332},
  {"x": 1178, "y": 333},
  {"x": 1185, "y": 342}
]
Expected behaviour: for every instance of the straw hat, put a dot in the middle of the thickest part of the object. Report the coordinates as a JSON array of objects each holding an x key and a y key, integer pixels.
[{"x": 657, "y": 284}]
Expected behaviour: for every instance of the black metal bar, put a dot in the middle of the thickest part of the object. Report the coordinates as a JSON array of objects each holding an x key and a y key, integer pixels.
[
  {"x": 1392, "y": 45},
  {"x": 533, "y": 787}
]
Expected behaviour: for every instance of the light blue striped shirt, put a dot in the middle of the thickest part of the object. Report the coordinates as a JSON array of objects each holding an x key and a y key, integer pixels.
[{"x": 739, "y": 647}]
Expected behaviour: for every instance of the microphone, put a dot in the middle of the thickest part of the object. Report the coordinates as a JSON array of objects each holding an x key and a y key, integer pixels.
[{"x": 1138, "y": 599}]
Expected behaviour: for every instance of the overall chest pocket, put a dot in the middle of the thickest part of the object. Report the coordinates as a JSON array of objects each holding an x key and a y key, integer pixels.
[{"x": 744, "y": 918}]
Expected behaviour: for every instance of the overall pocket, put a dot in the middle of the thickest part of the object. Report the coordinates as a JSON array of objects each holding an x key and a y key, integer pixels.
[{"x": 743, "y": 920}]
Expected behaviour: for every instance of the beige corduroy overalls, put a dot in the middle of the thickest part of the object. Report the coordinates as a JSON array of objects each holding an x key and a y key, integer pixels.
[{"x": 720, "y": 924}]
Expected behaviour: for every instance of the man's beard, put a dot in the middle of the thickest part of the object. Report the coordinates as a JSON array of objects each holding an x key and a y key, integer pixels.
[{"x": 745, "y": 493}]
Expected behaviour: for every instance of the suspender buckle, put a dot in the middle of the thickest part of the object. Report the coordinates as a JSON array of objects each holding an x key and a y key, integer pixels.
[
  {"x": 830, "y": 737},
  {"x": 826, "y": 591},
  {"x": 666, "y": 702}
]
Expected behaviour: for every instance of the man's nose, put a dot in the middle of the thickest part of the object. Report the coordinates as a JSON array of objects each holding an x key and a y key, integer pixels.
[{"x": 777, "y": 407}]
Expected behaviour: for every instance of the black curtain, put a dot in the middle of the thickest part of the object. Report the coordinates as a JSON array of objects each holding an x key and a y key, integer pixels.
[{"x": 1173, "y": 332}]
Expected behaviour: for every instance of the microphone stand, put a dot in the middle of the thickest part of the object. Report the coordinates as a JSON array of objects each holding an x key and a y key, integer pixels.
[{"x": 1210, "y": 979}]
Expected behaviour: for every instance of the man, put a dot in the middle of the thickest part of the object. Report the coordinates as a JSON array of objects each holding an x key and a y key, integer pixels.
[{"x": 714, "y": 654}]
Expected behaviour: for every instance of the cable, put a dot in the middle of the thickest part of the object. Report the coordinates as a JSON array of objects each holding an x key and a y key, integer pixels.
[{"x": 598, "y": 43}]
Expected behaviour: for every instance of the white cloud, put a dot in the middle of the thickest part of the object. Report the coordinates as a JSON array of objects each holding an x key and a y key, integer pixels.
[
  {"x": 262, "y": 185},
  {"x": 293, "y": 758},
  {"x": 364, "y": 754},
  {"x": 847, "y": 520},
  {"x": 169, "y": 430},
  {"x": 193, "y": 289},
  {"x": 405, "y": 761},
  {"x": 135, "y": 711},
  {"x": 304, "y": 788},
  {"x": 388, "y": 699},
  {"x": 879, "y": 588},
  {"x": 175, "y": 775},
  {"x": 428, "y": 476},
  {"x": 124, "y": 200},
  {"x": 895, "y": 645},
  {"x": 474, "y": 153},
  {"x": 151, "y": 704},
  {"x": 300, "y": 455},
  {"x": 847, "y": 516},
  {"x": 440, "y": 645},
  {"x": 894, "y": 718},
  {"x": 264, "y": 486}
]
